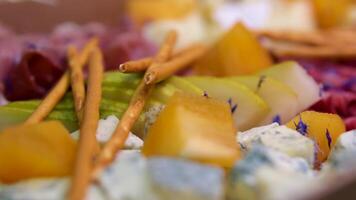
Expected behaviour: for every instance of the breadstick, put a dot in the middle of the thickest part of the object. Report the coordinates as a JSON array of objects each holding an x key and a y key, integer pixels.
[
  {"x": 58, "y": 91},
  {"x": 158, "y": 73},
  {"x": 141, "y": 65},
  {"x": 87, "y": 139},
  {"x": 77, "y": 82},
  {"x": 313, "y": 52},
  {"x": 132, "y": 113}
]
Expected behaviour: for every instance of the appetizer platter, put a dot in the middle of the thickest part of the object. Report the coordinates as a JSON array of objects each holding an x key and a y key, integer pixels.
[{"x": 173, "y": 104}]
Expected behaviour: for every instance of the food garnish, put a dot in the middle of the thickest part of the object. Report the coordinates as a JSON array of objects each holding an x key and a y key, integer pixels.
[
  {"x": 87, "y": 144},
  {"x": 277, "y": 119},
  {"x": 136, "y": 105},
  {"x": 58, "y": 91}
]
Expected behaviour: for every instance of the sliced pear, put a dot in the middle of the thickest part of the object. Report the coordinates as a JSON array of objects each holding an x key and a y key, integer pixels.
[
  {"x": 282, "y": 100},
  {"x": 184, "y": 85},
  {"x": 295, "y": 76},
  {"x": 251, "y": 108}
]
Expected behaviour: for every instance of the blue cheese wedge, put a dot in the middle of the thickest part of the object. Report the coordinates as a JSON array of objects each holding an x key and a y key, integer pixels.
[
  {"x": 181, "y": 179},
  {"x": 279, "y": 138},
  {"x": 106, "y": 128},
  {"x": 254, "y": 177}
]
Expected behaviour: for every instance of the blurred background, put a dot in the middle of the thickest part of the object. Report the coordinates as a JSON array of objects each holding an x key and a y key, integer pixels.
[{"x": 27, "y": 15}]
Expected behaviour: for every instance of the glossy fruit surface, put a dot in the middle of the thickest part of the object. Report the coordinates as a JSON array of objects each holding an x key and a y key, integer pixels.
[
  {"x": 323, "y": 128},
  {"x": 194, "y": 127},
  {"x": 295, "y": 76},
  {"x": 40, "y": 150},
  {"x": 246, "y": 107},
  {"x": 281, "y": 99},
  {"x": 238, "y": 52}
]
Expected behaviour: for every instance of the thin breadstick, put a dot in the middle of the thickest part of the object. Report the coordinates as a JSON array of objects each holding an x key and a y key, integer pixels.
[
  {"x": 312, "y": 38},
  {"x": 313, "y": 52},
  {"x": 158, "y": 73},
  {"x": 132, "y": 113},
  {"x": 87, "y": 139},
  {"x": 50, "y": 101},
  {"x": 58, "y": 91},
  {"x": 135, "y": 66},
  {"x": 320, "y": 38},
  {"x": 141, "y": 65},
  {"x": 77, "y": 82},
  {"x": 87, "y": 50}
]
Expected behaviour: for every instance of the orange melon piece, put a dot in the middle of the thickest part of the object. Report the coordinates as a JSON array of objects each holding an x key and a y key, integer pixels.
[
  {"x": 40, "y": 150},
  {"x": 331, "y": 13},
  {"x": 142, "y": 11},
  {"x": 323, "y": 128},
  {"x": 194, "y": 127},
  {"x": 238, "y": 52}
]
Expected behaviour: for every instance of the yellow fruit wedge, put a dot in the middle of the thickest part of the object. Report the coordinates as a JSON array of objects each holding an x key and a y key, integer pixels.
[
  {"x": 323, "y": 128},
  {"x": 331, "y": 13},
  {"x": 194, "y": 127},
  {"x": 41, "y": 150},
  {"x": 142, "y": 11},
  {"x": 238, "y": 52},
  {"x": 281, "y": 99},
  {"x": 247, "y": 108},
  {"x": 295, "y": 76}
]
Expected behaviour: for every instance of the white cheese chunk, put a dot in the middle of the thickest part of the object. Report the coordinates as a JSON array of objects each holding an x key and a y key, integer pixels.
[
  {"x": 280, "y": 138},
  {"x": 176, "y": 179},
  {"x": 106, "y": 128},
  {"x": 254, "y": 177},
  {"x": 127, "y": 178},
  {"x": 342, "y": 156},
  {"x": 44, "y": 189}
]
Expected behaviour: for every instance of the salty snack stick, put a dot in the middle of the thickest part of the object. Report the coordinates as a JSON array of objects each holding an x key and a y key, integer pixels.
[
  {"x": 158, "y": 73},
  {"x": 141, "y": 65},
  {"x": 87, "y": 139},
  {"x": 135, "y": 66},
  {"x": 77, "y": 82},
  {"x": 58, "y": 91},
  {"x": 333, "y": 37},
  {"x": 312, "y": 38},
  {"x": 132, "y": 113},
  {"x": 304, "y": 51}
]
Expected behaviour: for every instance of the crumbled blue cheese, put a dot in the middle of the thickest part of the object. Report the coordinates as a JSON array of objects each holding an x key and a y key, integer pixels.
[
  {"x": 44, "y": 189},
  {"x": 254, "y": 176},
  {"x": 342, "y": 156},
  {"x": 106, "y": 128},
  {"x": 280, "y": 138},
  {"x": 127, "y": 178},
  {"x": 151, "y": 116},
  {"x": 35, "y": 189},
  {"x": 175, "y": 179}
]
